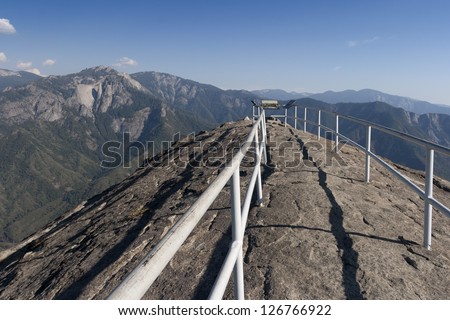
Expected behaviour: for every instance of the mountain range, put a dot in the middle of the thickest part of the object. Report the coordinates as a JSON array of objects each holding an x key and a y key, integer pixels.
[
  {"x": 10, "y": 78},
  {"x": 361, "y": 96},
  {"x": 52, "y": 130},
  {"x": 280, "y": 94},
  {"x": 432, "y": 127}
]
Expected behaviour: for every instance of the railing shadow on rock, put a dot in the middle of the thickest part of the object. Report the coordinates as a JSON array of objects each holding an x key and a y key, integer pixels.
[{"x": 136, "y": 284}]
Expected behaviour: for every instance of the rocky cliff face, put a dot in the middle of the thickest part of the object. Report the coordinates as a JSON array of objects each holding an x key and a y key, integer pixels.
[
  {"x": 210, "y": 103},
  {"x": 437, "y": 126},
  {"x": 86, "y": 93},
  {"x": 322, "y": 234},
  {"x": 52, "y": 132}
]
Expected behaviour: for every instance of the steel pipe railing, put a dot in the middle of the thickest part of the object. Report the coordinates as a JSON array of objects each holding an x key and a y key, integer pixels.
[
  {"x": 237, "y": 234},
  {"x": 318, "y": 126},
  {"x": 225, "y": 272},
  {"x": 304, "y": 120},
  {"x": 136, "y": 284},
  {"x": 336, "y": 133},
  {"x": 396, "y": 133},
  {"x": 428, "y": 207},
  {"x": 427, "y": 195},
  {"x": 368, "y": 146},
  {"x": 141, "y": 278}
]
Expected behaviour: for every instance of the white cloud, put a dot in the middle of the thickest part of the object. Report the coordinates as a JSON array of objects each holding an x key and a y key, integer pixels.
[
  {"x": 24, "y": 65},
  {"x": 3, "y": 57},
  {"x": 337, "y": 68},
  {"x": 354, "y": 43},
  {"x": 28, "y": 67},
  {"x": 6, "y": 27},
  {"x": 125, "y": 61},
  {"x": 49, "y": 62},
  {"x": 367, "y": 41},
  {"x": 34, "y": 70}
]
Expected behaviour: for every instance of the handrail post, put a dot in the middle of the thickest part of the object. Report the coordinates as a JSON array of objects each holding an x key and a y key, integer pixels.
[
  {"x": 264, "y": 136},
  {"x": 295, "y": 117},
  {"x": 368, "y": 145},
  {"x": 336, "y": 137},
  {"x": 253, "y": 114},
  {"x": 318, "y": 125},
  {"x": 428, "y": 210},
  {"x": 259, "y": 193},
  {"x": 260, "y": 200},
  {"x": 304, "y": 121},
  {"x": 260, "y": 111},
  {"x": 285, "y": 117},
  {"x": 237, "y": 234}
]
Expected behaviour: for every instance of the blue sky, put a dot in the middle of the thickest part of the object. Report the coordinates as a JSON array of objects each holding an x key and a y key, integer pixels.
[{"x": 399, "y": 47}]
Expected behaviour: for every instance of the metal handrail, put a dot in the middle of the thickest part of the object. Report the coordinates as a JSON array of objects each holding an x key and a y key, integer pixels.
[
  {"x": 426, "y": 195},
  {"x": 136, "y": 284},
  {"x": 399, "y": 134}
]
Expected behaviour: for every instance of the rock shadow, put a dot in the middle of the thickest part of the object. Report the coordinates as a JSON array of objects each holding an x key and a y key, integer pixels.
[
  {"x": 204, "y": 287},
  {"x": 349, "y": 256},
  {"x": 76, "y": 288}
]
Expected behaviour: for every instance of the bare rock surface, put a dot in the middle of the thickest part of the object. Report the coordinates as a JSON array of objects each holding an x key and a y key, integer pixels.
[
  {"x": 87, "y": 252},
  {"x": 326, "y": 234},
  {"x": 323, "y": 233}
]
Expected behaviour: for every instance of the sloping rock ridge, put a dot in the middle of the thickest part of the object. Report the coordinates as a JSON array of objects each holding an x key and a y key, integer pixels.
[{"x": 323, "y": 233}]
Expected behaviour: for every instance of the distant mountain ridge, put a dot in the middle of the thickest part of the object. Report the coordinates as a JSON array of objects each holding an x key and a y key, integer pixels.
[
  {"x": 361, "y": 96},
  {"x": 368, "y": 95},
  {"x": 279, "y": 94},
  {"x": 207, "y": 103},
  {"x": 13, "y": 79},
  {"x": 431, "y": 127}
]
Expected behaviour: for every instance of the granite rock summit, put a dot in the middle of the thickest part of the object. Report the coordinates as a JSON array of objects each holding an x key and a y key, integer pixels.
[{"x": 323, "y": 233}]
